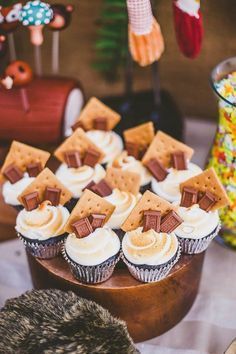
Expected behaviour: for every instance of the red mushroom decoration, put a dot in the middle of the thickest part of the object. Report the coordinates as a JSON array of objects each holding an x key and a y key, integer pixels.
[
  {"x": 21, "y": 74},
  {"x": 61, "y": 20}
]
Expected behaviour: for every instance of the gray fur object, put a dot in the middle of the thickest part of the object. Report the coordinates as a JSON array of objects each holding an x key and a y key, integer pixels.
[{"x": 56, "y": 322}]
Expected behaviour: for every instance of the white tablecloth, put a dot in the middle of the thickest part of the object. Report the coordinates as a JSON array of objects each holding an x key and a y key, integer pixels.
[{"x": 210, "y": 325}]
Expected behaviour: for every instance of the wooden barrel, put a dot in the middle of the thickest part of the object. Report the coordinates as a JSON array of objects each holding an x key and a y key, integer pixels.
[
  {"x": 148, "y": 309},
  {"x": 54, "y": 105}
]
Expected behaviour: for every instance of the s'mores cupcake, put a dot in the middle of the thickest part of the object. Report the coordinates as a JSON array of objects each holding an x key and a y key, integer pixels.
[
  {"x": 202, "y": 196},
  {"x": 80, "y": 164},
  {"x": 22, "y": 164},
  {"x": 91, "y": 249},
  {"x": 40, "y": 224},
  {"x": 137, "y": 140},
  {"x": 150, "y": 247},
  {"x": 98, "y": 120},
  {"x": 168, "y": 160}
]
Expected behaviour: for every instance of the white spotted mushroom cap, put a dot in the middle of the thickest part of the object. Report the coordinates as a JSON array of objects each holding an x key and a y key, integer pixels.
[{"x": 35, "y": 13}]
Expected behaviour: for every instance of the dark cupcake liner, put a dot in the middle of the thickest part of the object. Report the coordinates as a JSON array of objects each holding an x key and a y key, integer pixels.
[
  {"x": 44, "y": 249},
  {"x": 18, "y": 208},
  {"x": 145, "y": 188},
  {"x": 194, "y": 246},
  {"x": 92, "y": 274},
  {"x": 147, "y": 274},
  {"x": 71, "y": 204}
]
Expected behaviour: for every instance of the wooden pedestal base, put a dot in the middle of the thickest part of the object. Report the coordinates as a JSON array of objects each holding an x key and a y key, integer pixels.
[{"x": 148, "y": 309}]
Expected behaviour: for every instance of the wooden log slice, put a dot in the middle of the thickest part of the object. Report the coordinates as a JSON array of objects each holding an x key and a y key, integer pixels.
[{"x": 148, "y": 309}]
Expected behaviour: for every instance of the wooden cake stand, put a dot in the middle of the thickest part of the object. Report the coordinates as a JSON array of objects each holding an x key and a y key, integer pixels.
[{"x": 148, "y": 309}]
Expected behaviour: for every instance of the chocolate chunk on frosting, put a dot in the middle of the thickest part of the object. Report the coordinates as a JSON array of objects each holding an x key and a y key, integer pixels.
[
  {"x": 31, "y": 201},
  {"x": 102, "y": 188},
  {"x": 72, "y": 158},
  {"x": 170, "y": 222},
  {"x": 189, "y": 197},
  {"x": 207, "y": 201},
  {"x": 151, "y": 220},
  {"x": 157, "y": 169},
  {"x": 89, "y": 186},
  {"x": 13, "y": 173},
  {"x": 34, "y": 169},
  {"x": 77, "y": 125},
  {"x": 91, "y": 157},
  {"x": 53, "y": 195},
  {"x": 179, "y": 161},
  {"x": 82, "y": 227},
  {"x": 132, "y": 149},
  {"x": 100, "y": 123},
  {"x": 97, "y": 220}
]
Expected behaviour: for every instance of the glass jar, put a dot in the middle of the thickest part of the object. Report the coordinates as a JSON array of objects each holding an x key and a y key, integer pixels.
[{"x": 223, "y": 152}]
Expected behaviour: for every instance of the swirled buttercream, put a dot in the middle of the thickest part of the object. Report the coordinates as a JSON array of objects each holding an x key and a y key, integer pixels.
[
  {"x": 76, "y": 179},
  {"x": 150, "y": 247},
  {"x": 42, "y": 223},
  {"x": 124, "y": 203},
  {"x": 169, "y": 188},
  {"x": 109, "y": 142},
  {"x": 11, "y": 191},
  {"x": 93, "y": 249}
]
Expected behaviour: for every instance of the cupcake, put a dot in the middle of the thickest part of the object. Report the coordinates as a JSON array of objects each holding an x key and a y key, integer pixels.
[
  {"x": 80, "y": 164},
  {"x": 150, "y": 247},
  {"x": 22, "y": 164},
  {"x": 91, "y": 249},
  {"x": 127, "y": 162},
  {"x": 98, "y": 120},
  {"x": 168, "y": 160},
  {"x": 202, "y": 196},
  {"x": 40, "y": 224},
  {"x": 124, "y": 195}
]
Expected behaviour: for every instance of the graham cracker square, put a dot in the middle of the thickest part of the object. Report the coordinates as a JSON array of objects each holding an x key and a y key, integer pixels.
[
  {"x": 123, "y": 180},
  {"x": 142, "y": 135}
]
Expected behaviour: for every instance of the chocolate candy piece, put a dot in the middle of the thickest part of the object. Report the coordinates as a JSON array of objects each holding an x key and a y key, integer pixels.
[
  {"x": 13, "y": 173},
  {"x": 89, "y": 186},
  {"x": 102, "y": 188},
  {"x": 179, "y": 161},
  {"x": 157, "y": 170},
  {"x": 31, "y": 201},
  {"x": 53, "y": 195},
  {"x": 170, "y": 221},
  {"x": 82, "y": 227},
  {"x": 151, "y": 220},
  {"x": 97, "y": 220},
  {"x": 132, "y": 149},
  {"x": 91, "y": 157},
  {"x": 100, "y": 123},
  {"x": 207, "y": 201},
  {"x": 72, "y": 158},
  {"x": 34, "y": 169},
  {"x": 77, "y": 125},
  {"x": 189, "y": 197}
]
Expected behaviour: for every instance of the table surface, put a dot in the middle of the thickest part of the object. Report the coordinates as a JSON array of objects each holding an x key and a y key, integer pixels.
[{"x": 210, "y": 325}]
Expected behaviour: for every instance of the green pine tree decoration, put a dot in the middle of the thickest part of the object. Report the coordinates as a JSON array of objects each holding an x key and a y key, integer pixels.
[
  {"x": 112, "y": 42},
  {"x": 6, "y": 3}
]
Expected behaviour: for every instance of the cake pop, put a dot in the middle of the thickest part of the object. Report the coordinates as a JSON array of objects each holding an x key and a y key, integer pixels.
[
  {"x": 9, "y": 20},
  {"x": 3, "y": 48},
  {"x": 61, "y": 19},
  {"x": 145, "y": 39},
  {"x": 36, "y": 14},
  {"x": 21, "y": 74}
]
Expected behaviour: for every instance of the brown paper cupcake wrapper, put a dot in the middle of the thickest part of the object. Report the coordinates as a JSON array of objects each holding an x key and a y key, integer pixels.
[
  {"x": 92, "y": 274},
  {"x": 190, "y": 246},
  {"x": 150, "y": 274},
  {"x": 44, "y": 250}
]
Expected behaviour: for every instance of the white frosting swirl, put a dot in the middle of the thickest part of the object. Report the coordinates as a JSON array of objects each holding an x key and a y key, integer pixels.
[
  {"x": 150, "y": 247},
  {"x": 129, "y": 163},
  {"x": 76, "y": 179},
  {"x": 42, "y": 223},
  {"x": 11, "y": 191},
  {"x": 124, "y": 203},
  {"x": 93, "y": 249},
  {"x": 169, "y": 188},
  {"x": 109, "y": 142},
  {"x": 197, "y": 223}
]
